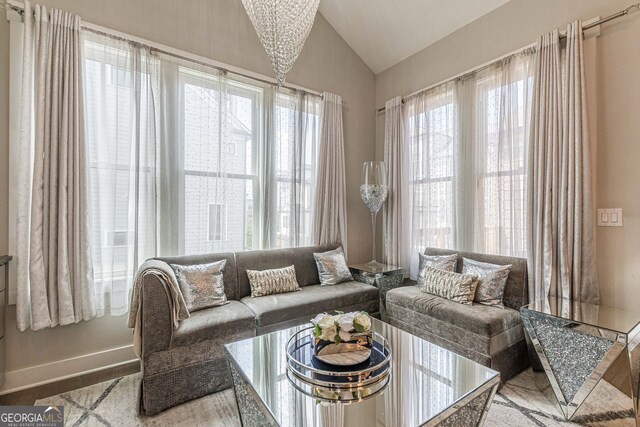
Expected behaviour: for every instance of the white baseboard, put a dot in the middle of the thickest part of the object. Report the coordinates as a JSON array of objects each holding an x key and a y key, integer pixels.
[{"x": 34, "y": 376}]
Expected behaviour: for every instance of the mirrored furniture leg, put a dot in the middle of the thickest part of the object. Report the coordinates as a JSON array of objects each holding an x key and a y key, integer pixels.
[{"x": 580, "y": 350}]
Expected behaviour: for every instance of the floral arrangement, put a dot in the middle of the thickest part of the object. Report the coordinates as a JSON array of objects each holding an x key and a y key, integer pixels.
[{"x": 341, "y": 326}]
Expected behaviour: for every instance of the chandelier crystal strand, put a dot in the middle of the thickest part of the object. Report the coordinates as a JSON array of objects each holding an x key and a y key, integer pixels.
[{"x": 282, "y": 27}]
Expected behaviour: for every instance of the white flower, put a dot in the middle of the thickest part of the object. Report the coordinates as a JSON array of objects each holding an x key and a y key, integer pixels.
[
  {"x": 328, "y": 322},
  {"x": 363, "y": 320},
  {"x": 324, "y": 320},
  {"x": 328, "y": 333},
  {"x": 319, "y": 317},
  {"x": 345, "y": 322}
]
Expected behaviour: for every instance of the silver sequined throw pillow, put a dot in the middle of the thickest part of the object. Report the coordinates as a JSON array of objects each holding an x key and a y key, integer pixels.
[
  {"x": 441, "y": 262},
  {"x": 202, "y": 285},
  {"x": 332, "y": 267},
  {"x": 492, "y": 279},
  {"x": 274, "y": 281}
]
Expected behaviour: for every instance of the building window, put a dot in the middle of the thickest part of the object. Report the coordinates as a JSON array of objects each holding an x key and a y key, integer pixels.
[{"x": 119, "y": 239}]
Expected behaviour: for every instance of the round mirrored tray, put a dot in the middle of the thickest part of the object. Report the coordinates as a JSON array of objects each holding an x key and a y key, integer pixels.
[
  {"x": 338, "y": 394},
  {"x": 303, "y": 365}
]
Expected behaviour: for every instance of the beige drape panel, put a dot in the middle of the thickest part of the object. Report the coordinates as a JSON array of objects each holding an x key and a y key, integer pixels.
[
  {"x": 561, "y": 234},
  {"x": 396, "y": 239},
  {"x": 60, "y": 288},
  {"x": 330, "y": 219}
]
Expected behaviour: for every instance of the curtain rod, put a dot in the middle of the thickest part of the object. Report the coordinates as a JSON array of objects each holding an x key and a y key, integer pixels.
[
  {"x": 586, "y": 27},
  {"x": 200, "y": 60}
]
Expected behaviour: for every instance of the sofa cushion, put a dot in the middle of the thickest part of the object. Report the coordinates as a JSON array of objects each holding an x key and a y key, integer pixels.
[
  {"x": 310, "y": 301},
  {"x": 214, "y": 323},
  {"x": 477, "y": 318}
]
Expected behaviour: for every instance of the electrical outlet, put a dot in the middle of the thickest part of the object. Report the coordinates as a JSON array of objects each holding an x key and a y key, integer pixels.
[{"x": 610, "y": 217}]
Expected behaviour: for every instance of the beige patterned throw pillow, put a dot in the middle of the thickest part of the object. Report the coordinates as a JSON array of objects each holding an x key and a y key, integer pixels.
[
  {"x": 446, "y": 284},
  {"x": 202, "y": 285},
  {"x": 275, "y": 281}
]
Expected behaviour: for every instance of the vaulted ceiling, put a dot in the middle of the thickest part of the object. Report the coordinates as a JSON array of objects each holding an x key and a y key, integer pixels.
[{"x": 384, "y": 32}]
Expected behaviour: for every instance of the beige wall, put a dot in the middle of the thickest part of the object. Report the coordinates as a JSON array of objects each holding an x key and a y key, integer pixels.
[
  {"x": 217, "y": 29},
  {"x": 614, "y": 88}
]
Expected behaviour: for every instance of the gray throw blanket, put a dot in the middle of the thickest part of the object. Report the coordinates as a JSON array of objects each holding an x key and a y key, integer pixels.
[{"x": 167, "y": 277}]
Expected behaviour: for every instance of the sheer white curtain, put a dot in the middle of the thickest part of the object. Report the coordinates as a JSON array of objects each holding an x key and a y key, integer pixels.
[
  {"x": 295, "y": 135},
  {"x": 500, "y": 142},
  {"x": 55, "y": 275},
  {"x": 330, "y": 220},
  {"x": 467, "y": 142},
  {"x": 120, "y": 104},
  {"x": 189, "y": 161},
  {"x": 207, "y": 159},
  {"x": 432, "y": 140}
]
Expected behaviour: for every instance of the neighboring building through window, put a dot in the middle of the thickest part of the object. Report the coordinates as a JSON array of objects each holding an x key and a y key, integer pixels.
[{"x": 217, "y": 221}]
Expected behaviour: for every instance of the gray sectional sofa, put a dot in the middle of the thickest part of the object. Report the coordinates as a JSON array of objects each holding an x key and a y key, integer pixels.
[
  {"x": 491, "y": 336},
  {"x": 189, "y": 362}
]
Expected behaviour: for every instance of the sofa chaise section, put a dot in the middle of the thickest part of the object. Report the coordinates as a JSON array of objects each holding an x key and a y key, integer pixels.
[
  {"x": 491, "y": 336},
  {"x": 188, "y": 362}
]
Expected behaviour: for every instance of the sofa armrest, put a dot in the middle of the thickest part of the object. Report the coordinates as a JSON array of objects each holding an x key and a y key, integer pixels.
[{"x": 157, "y": 329}]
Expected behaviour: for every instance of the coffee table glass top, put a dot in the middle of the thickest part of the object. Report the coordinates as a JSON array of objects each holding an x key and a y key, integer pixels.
[
  {"x": 425, "y": 380},
  {"x": 599, "y": 316}
]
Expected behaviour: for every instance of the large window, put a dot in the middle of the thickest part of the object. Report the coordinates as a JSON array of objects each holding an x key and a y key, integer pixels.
[
  {"x": 502, "y": 136},
  {"x": 187, "y": 160},
  {"x": 468, "y": 142},
  {"x": 220, "y": 136},
  {"x": 433, "y": 143}
]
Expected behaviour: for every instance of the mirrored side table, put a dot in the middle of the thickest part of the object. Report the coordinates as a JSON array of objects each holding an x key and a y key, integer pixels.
[
  {"x": 581, "y": 351},
  {"x": 385, "y": 277}
]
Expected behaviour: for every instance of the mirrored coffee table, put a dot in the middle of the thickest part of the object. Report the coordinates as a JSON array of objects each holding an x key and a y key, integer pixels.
[{"x": 428, "y": 385}]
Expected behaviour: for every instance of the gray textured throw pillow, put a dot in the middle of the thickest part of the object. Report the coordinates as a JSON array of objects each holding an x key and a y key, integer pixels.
[
  {"x": 274, "y": 281},
  {"x": 456, "y": 287},
  {"x": 332, "y": 267},
  {"x": 202, "y": 285},
  {"x": 492, "y": 279}
]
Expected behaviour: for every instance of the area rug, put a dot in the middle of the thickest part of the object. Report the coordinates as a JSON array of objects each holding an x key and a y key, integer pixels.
[{"x": 518, "y": 404}]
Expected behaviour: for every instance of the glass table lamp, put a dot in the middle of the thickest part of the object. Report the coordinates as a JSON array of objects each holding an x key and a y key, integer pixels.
[{"x": 374, "y": 191}]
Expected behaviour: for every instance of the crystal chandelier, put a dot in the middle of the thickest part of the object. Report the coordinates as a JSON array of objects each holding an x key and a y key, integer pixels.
[{"x": 282, "y": 27}]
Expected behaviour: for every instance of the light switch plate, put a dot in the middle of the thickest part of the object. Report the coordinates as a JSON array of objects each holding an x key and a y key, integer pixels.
[{"x": 610, "y": 217}]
